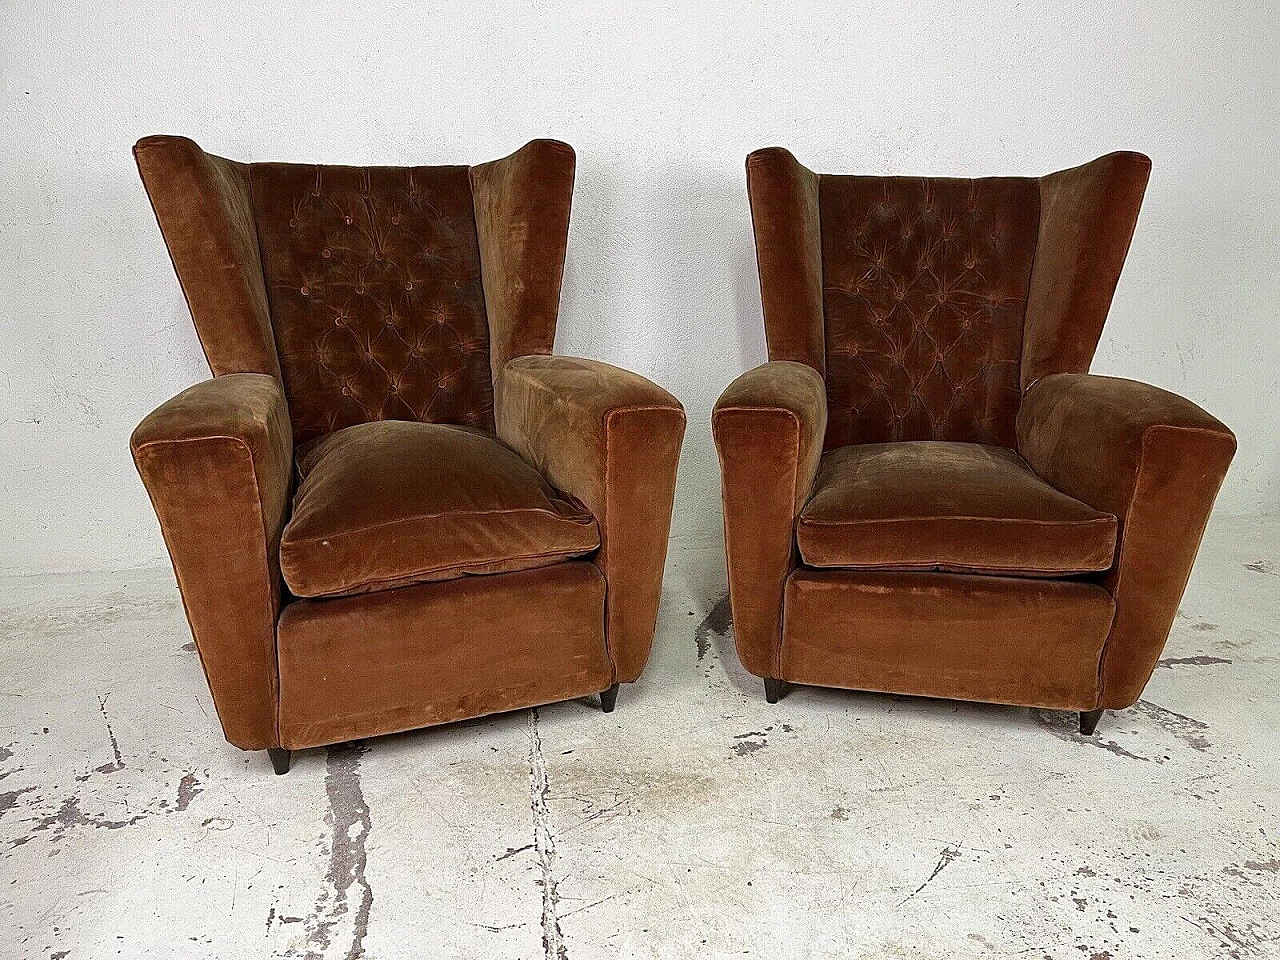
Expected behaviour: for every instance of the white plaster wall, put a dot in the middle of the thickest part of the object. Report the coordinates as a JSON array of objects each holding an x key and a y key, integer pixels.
[{"x": 662, "y": 102}]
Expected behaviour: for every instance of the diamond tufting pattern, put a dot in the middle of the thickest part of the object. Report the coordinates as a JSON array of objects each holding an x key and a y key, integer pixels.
[
  {"x": 924, "y": 292},
  {"x": 373, "y": 279}
]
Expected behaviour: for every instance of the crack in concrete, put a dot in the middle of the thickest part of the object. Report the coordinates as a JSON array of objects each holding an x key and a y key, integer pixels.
[
  {"x": 948, "y": 856},
  {"x": 553, "y": 945},
  {"x": 117, "y": 764},
  {"x": 349, "y": 823}
]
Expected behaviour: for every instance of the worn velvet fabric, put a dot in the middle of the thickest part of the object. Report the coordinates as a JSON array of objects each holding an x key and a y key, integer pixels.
[
  {"x": 365, "y": 315},
  {"x": 947, "y": 326},
  {"x": 768, "y": 428},
  {"x": 373, "y": 280},
  {"x": 362, "y": 666},
  {"x": 1000, "y": 640},
  {"x": 924, "y": 288},
  {"x": 939, "y": 505},
  {"x": 391, "y": 503},
  {"x": 216, "y": 461},
  {"x": 1156, "y": 461},
  {"x": 611, "y": 439}
]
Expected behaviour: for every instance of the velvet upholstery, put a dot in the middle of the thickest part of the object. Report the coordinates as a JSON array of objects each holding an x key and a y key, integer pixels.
[
  {"x": 901, "y": 632},
  {"x": 768, "y": 428},
  {"x": 373, "y": 279},
  {"x": 216, "y": 461},
  {"x": 362, "y": 666},
  {"x": 939, "y": 505},
  {"x": 1156, "y": 461},
  {"x": 987, "y": 521},
  {"x": 924, "y": 285},
  {"x": 359, "y": 322},
  {"x": 395, "y": 502},
  {"x": 612, "y": 440}
]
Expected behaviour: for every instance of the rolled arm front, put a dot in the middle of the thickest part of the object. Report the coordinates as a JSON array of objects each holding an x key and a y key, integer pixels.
[
  {"x": 217, "y": 462},
  {"x": 769, "y": 426},
  {"x": 1156, "y": 461},
  {"x": 612, "y": 439}
]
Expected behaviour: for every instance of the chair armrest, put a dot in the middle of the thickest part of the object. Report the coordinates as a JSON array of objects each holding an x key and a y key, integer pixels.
[
  {"x": 769, "y": 426},
  {"x": 216, "y": 461},
  {"x": 1156, "y": 461},
  {"x": 612, "y": 439}
]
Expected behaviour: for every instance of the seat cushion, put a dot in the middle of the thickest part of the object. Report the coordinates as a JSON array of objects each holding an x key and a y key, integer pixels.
[
  {"x": 958, "y": 507},
  {"x": 393, "y": 502}
]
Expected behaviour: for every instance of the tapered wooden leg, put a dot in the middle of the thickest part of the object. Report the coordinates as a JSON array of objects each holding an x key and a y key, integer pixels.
[
  {"x": 1089, "y": 721},
  {"x": 772, "y": 689},
  {"x": 609, "y": 699},
  {"x": 280, "y": 759}
]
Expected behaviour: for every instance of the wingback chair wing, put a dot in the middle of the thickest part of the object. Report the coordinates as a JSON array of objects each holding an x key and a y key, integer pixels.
[
  {"x": 925, "y": 491},
  {"x": 391, "y": 507}
]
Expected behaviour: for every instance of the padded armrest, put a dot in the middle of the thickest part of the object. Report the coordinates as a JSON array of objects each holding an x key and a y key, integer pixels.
[
  {"x": 611, "y": 438},
  {"x": 1156, "y": 461},
  {"x": 217, "y": 461},
  {"x": 769, "y": 426}
]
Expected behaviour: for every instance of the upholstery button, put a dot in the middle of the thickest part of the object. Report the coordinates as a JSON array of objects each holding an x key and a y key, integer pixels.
[
  {"x": 346, "y": 391},
  {"x": 305, "y": 291},
  {"x": 326, "y": 253},
  {"x": 408, "y": 285},
  {"x": 416, "y": 353},
  {"x": 347, "y": 219},
  {"x": 396, "y": 219},
  {"x": 337, "y": 321},
  {"x": 293, "y": 223}
]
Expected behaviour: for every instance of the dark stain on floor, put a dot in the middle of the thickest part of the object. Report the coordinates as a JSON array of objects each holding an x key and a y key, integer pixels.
[
  {"x": 1065, "y": 726},
  {"x": 1198, "y": 661},
  {"x": 717, "y": 621},
  {"x": 1187, "y": 729},
  {"x": 346, "y": 888}
]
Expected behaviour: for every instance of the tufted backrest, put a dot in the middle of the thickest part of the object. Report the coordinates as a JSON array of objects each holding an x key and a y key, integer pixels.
[
  {"x": 373, "y": 281},
  {"x": 924, "y": 302},
  {"x": 924, "y": 290},
  {"x": 373, "y": 293}
]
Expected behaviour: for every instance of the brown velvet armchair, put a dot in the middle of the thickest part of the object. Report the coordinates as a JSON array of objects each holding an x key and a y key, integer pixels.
[
  {"x": 925, "y": 491},
  {"x": 391, "y": 507}
]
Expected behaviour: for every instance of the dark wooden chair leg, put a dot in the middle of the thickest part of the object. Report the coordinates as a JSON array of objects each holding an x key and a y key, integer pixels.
[
  {"x": 1089, "y": 721},
  {"x": 772, "y": 689},
  {"x": 280, "y": 759},
  {"x": 609, "y": 699}
]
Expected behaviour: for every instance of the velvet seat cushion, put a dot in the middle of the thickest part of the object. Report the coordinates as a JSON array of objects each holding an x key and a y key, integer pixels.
[
  {"x": 393, "y": 502},
  {"x": 957, "y": 507}
]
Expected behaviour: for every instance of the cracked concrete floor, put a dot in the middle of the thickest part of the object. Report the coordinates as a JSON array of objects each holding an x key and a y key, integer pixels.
[{"x": 695, "y": 821}]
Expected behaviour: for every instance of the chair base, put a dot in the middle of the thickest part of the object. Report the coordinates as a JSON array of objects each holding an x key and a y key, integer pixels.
[
  {"x": 280, "y": 759},
  {"x": 609, "y": 699},
  {"x": 1089, "y": 721},
  {"x": 773, "y": 689}
]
